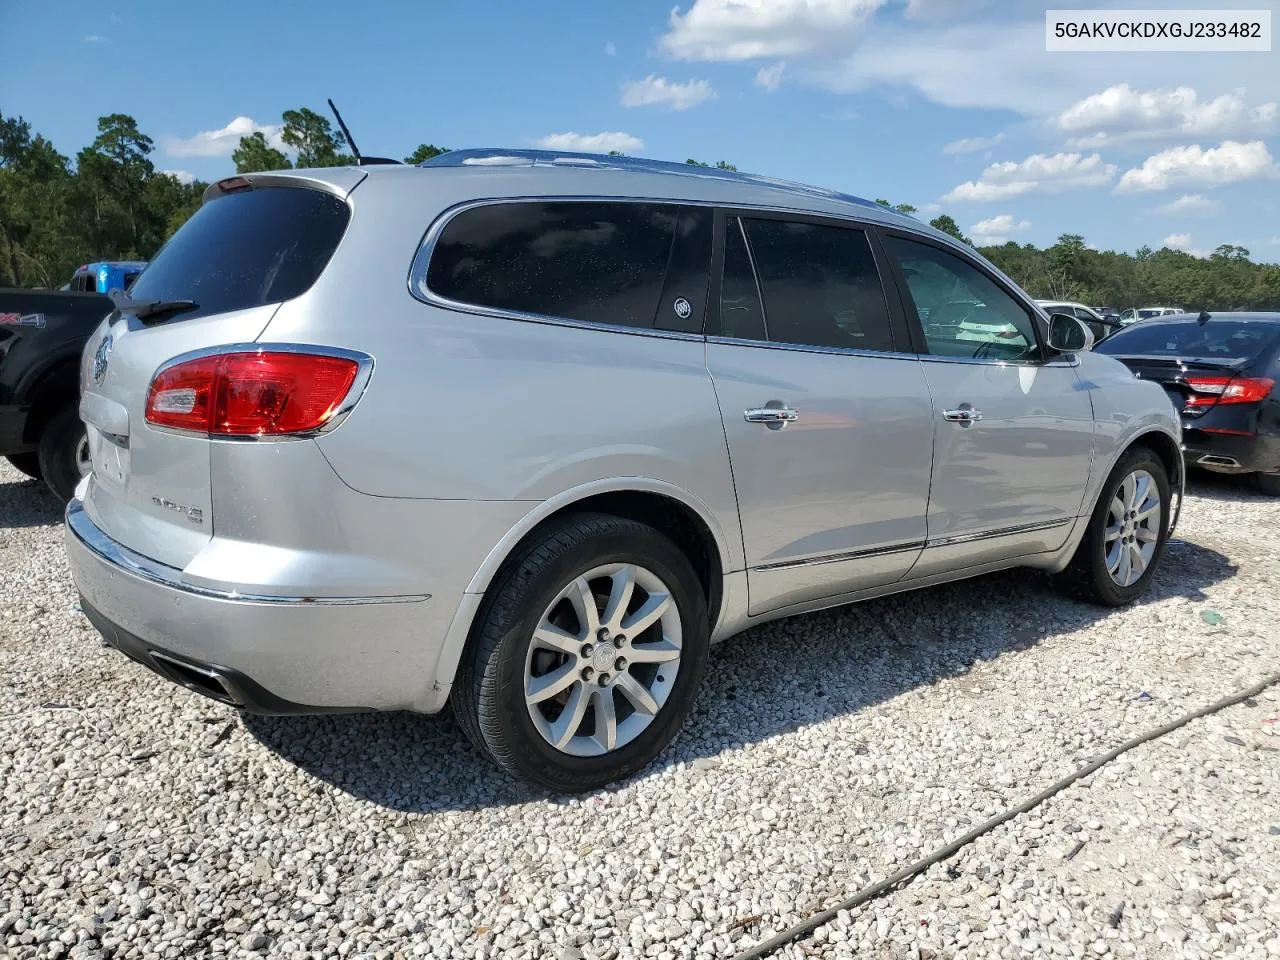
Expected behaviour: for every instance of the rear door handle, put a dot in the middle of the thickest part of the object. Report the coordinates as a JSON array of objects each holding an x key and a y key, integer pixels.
[
  {"x": 770, "y": 415},
  {"x": 965, "y": 415}
]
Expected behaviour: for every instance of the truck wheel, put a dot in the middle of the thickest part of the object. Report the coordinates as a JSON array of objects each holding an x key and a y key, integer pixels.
[
  {"x": 1123, "y": 544},
  {"x": 1269, "y": 483},
  {"x": 64, "y": 453},
  {"x": 28, "y": 463},
  {"x": 585, "y": 657}
]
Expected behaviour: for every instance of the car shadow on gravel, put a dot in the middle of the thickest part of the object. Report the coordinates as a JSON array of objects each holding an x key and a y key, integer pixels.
[
  {"x": 771, "y": 680},
  {"x": 1225, "y": 488},
  {"x": 25, "y": 502}
]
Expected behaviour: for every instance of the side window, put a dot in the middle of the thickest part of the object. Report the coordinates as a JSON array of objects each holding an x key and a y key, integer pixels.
[
  {"x": 598, "y": 262},
  {"x": 740, "y": 312},
  {"x": 820, "y": 285},
  {"x": 964, "y": 313}
]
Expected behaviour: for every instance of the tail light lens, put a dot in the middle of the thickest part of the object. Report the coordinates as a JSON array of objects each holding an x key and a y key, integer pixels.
[
  {"x": 1209, "y": 391},
  {"x": 251, "y": 394}
]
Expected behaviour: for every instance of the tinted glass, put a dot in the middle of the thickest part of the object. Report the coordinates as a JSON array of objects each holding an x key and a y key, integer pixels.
[
  {"x": 964, "y": 313},
  {"x": 820, "y": 285},
  {"x": 601, "y": 262},
  {"x": 740, "y": 312},
  {"x": 1217, "y": 339},
  {"x": 245, "y": 249},
  {"x": 684, "y": 297}
]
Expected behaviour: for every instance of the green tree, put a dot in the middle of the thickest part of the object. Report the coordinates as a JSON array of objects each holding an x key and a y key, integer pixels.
[
  {"x": 424, "y": 152},
  {"x": 947, "y": 225},
  {"x": 897, "y": 207},
  {"x": 696, "y": 163},
  {"x": 254, "y": 154},
  {"x": 725, "y": 165},
  {"x": 314, "y": 141}
]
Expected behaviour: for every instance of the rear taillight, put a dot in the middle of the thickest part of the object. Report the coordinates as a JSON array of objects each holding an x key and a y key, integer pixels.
[
  {"x": 251, "y": 394},
  {"x": 1209, "y": 391}
]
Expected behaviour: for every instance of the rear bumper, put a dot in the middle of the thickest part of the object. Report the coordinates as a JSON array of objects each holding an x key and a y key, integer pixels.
[
  {"x": 264, "y": 654},
  {"x": 1225, "y": 453}
]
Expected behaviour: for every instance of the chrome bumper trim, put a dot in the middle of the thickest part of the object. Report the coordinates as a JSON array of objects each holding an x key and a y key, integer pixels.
[{"x": 144, "y": 568}]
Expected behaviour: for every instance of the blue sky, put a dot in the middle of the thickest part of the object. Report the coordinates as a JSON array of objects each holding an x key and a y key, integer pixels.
[{"x": 952, "y": 105}]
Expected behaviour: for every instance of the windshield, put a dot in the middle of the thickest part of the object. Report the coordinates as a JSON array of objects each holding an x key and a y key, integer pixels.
[{"x": 1221, "y": 340}]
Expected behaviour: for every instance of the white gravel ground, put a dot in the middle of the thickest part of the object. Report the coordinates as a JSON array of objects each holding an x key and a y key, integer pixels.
[{"x": 138, "y": 820}]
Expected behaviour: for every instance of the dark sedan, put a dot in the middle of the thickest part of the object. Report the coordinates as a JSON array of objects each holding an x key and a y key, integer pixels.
[{"x": 1221, "y": 371}]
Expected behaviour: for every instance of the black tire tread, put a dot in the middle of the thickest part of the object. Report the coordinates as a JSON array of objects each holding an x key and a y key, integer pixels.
[
  {"x": 56, "y": 452},
  {"x": 1081, "y": 579},
  {"x": 473, "y": 696}
]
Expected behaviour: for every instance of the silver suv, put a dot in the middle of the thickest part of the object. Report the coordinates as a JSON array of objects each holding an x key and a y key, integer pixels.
[{"x": 526, "y": 432}]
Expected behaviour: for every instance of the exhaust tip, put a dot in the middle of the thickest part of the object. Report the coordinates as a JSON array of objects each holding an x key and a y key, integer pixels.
[
  {"x": 201, "y": 680},
  {"x": 1216, "y": 460}
]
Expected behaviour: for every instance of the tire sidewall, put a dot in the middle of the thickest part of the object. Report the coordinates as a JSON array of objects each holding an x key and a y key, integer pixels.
[
  {"x": 57, "y": 453},
  {"x": 1136, "y": 460},
  {"x": 536, "y": 758}
]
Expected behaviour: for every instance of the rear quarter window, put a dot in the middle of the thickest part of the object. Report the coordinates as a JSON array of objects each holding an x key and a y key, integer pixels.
[
  {"x": 627, "y": 264},
  {"x": 1216, "y": 339},
  {"x": 245, "y": 249}
]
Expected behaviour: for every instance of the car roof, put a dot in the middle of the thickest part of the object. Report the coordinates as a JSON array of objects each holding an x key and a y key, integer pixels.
[
  {"x": 1236, "y": 316},
  {"x": 532, "y": 172}
]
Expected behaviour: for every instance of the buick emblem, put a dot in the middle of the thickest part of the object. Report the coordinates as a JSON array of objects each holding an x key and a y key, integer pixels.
[
  {"x": 100, "y": 358},
  {"x": 682, "y": 308}
]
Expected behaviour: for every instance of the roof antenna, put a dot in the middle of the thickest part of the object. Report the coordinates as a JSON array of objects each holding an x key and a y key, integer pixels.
[
  {"x": 355, "y": 151},
  {"x": 1203, "y": 317}
]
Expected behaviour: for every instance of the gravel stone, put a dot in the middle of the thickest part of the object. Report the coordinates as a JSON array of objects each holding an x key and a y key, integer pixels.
[{"x": 825, "y": 752}]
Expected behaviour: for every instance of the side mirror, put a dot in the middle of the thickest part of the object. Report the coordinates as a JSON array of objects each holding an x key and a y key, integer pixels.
[{"x": 1068, "y": 334}]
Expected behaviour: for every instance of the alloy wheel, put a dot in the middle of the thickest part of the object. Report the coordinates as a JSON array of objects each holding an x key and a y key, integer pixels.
[
  {"x": 1134, "y": 522},
  {"x": 603, "y": 659}
]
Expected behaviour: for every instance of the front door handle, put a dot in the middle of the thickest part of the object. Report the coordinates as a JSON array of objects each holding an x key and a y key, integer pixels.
[
  {"x": 770, "y": 415},
  {"x": 965, "y": 415}
]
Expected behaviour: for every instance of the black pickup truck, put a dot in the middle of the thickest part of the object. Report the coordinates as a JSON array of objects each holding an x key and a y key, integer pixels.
[{"x": 42, "y": 334}]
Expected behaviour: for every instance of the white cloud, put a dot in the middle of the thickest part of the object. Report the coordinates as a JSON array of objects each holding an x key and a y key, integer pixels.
[
  {"x": 972, "y": 144},
  {"x": 751, "y": 29},
  {"x": 1121, "y": 113},
  {"x": 997, "y": 229},
  {"x": 94, "y": 38},
  {"x": 222, "y": 143},
  {"x": 771, "y": 77},
  {"x": 1178, "y": 241},
  {"x": 180, "y": 175},
  {"x": 1187, "y": 203},
  {"x": 610, "y": 49},
  {"x": 1192, "y": 166},
  {"x": 1036, "y": 174},
  {"x": 592, "y": 142},
  {"x": 655, "y": 91}
]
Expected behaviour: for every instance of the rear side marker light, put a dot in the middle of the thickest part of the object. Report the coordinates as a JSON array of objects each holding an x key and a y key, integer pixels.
[
  {"x": 260, "y": 393},
  {"x": 1217, "y": 390}
]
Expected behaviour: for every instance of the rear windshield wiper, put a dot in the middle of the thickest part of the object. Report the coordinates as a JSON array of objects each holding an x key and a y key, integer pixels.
[{"x": 142, "y": 309}]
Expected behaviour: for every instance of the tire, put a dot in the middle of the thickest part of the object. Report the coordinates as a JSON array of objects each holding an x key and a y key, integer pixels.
[
  {"x": 28, "y": 463},
  {"x": 60, "y": 450},
  {"x": 1268, "y": 483},
  {"x": 503, "y": 661},
  {"x": 1088, "y": 576}
]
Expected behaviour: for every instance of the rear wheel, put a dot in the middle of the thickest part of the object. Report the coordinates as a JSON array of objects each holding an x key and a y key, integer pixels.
[
  {"x": 1125, "y": 539},
  {"x": 1269, "y": 483},
  {"x": 586, "y": 657},
  {"x": 28, "y": 463},
  {"x": 64, "y": 453}
]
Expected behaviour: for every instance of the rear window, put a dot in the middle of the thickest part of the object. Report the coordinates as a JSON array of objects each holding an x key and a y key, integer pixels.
[
  {"x": 245, "y": 249},
  {"x": 603, "y": 262},
  {"x": 1216, "y": 339}
]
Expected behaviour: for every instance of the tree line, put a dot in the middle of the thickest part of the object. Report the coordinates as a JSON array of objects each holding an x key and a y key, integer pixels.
[{"x": 110, "y": 203}]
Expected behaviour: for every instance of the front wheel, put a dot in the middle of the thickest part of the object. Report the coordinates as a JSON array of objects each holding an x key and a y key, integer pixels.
[
  {"x": 586, "y": 656},
  {"x": 1125, "y": 539},
  {"x": 64, "y": 453}
]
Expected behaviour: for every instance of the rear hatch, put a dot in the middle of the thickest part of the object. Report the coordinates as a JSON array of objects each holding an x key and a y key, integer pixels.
[
  {"x": 253, "y": 244},
  {"x": 1198, "y": 363}
]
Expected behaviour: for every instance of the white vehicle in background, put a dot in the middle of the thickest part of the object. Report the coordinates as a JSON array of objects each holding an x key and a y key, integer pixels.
[
  {"x": 1100, "y": 326},
  {"x": 1134, "y": 314}
]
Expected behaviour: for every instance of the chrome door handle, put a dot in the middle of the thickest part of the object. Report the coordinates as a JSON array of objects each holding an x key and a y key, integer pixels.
[
  {"x": 770, "y": 415},
  {"x": 962, "y": 415}
]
